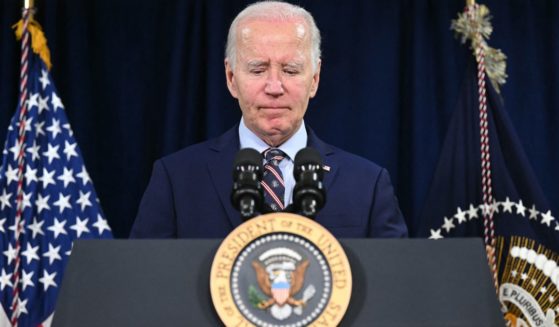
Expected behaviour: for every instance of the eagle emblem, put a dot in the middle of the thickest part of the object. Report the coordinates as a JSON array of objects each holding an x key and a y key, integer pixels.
[{"x": 280, "y": 281}]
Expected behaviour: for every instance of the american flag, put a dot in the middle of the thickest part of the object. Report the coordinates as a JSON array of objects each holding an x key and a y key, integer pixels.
[{"x": 59, "y": 203}]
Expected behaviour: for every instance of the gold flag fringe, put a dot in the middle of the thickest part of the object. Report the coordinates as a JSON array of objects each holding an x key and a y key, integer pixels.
[
  {"x": 38, "y": 40},
  {"x": 535, "y": 280},
  {"x": 467, "y": 28}
]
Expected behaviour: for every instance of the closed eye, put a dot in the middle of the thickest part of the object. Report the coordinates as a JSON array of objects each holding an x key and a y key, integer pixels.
[
  {"x": 257, "y": 71},
  {"x": 292, "y": 69},
  {"x": 257, "y": 67}
]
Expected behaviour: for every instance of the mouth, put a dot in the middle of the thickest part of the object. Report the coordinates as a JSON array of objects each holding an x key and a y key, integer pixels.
[{"x": 274, "y": 108}]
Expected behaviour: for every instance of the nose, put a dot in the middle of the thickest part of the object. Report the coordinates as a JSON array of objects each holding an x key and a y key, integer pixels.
[{"x": 274, "y": 86}]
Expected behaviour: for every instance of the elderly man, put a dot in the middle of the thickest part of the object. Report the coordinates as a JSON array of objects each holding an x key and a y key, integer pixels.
[{"x": 272, "y": 67}]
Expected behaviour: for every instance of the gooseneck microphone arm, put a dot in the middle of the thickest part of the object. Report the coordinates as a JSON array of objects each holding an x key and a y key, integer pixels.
[
  {"x": 247, "y": 196},
  {"x": 309, "y": 195}
]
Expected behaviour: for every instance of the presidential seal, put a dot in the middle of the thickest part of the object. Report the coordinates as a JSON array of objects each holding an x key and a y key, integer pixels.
[{"x": 280, "y": 269}]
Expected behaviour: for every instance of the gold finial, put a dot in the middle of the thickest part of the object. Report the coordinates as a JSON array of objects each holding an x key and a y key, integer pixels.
[
  {"x": 470, "y": 2},
  {"x": 28, "y": 4}
]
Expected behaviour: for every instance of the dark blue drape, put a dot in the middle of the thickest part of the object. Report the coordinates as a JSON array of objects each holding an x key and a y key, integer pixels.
[{"x": 143, "y": 78}]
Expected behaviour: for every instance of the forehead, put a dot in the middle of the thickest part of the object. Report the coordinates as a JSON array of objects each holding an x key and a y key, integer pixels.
[{"x": 258, "y": 32}]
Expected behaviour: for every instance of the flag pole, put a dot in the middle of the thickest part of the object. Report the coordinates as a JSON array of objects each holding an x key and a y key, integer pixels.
[
  {"x": 27, "y": 16},
  {"x": 29, "y": 6},
  {"x": 486, "y": 180}
]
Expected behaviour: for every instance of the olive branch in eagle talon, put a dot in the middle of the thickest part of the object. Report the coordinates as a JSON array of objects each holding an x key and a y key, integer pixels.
[{"x": 297, "y": 278}]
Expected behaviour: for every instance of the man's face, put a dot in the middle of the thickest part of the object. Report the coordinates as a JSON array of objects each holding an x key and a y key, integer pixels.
[{"x": 273, "y": 77}]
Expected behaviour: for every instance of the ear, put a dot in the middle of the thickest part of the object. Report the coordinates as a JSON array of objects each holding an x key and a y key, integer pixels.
[
  {"x": 230, "y": 77},
  {"x": 315, "y": 79}
]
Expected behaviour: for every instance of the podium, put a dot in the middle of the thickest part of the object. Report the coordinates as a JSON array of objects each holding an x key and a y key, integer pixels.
[{"x": 396, "y": 282}]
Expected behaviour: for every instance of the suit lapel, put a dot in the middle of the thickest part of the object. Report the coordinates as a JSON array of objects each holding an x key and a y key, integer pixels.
[
  {"x": 220, "y": 167},
  {"x": 328, "y": 155}
]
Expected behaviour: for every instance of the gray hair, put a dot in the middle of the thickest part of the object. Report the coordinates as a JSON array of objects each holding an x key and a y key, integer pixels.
[{"x": 272, "y": 10}]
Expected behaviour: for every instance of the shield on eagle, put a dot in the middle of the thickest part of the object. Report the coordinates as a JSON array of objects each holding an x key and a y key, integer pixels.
[{"x": 280, "y": 288}]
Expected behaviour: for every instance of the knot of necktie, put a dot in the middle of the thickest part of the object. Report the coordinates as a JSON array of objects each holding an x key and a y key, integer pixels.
[{"x": 274, "y": 156}]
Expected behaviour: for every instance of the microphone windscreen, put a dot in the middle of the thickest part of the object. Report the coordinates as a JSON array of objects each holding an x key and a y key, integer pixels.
[
  {"x": 308, "y": 156},
  {"x": 248, "y": 156}
]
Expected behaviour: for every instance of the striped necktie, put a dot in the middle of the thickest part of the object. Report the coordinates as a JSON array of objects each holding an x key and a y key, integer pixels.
[{"x": 272, "y": 180}]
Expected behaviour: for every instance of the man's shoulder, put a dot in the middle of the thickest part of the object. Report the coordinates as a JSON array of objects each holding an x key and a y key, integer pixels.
[{"x": 356, "y": 164}]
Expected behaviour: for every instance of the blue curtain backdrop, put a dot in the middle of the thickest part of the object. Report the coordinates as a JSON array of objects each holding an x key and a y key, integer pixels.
[{"x": 143, "y": 78}]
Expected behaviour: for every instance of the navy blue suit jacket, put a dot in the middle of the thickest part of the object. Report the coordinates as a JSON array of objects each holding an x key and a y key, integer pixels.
[{"x": 189, "y": 194}]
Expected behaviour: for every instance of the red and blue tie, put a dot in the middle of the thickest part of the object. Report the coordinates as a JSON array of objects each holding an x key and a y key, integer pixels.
[{"x": 272, "y": 180}]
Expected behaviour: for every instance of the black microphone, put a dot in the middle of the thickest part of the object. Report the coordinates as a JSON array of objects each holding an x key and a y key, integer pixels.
[
  {"x": 247, "y": 196},
  {"x": 309, "y": 195}
]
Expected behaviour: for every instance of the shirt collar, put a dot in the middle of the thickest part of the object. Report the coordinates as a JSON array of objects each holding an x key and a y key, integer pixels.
[{"x": 295, "y": 143}]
